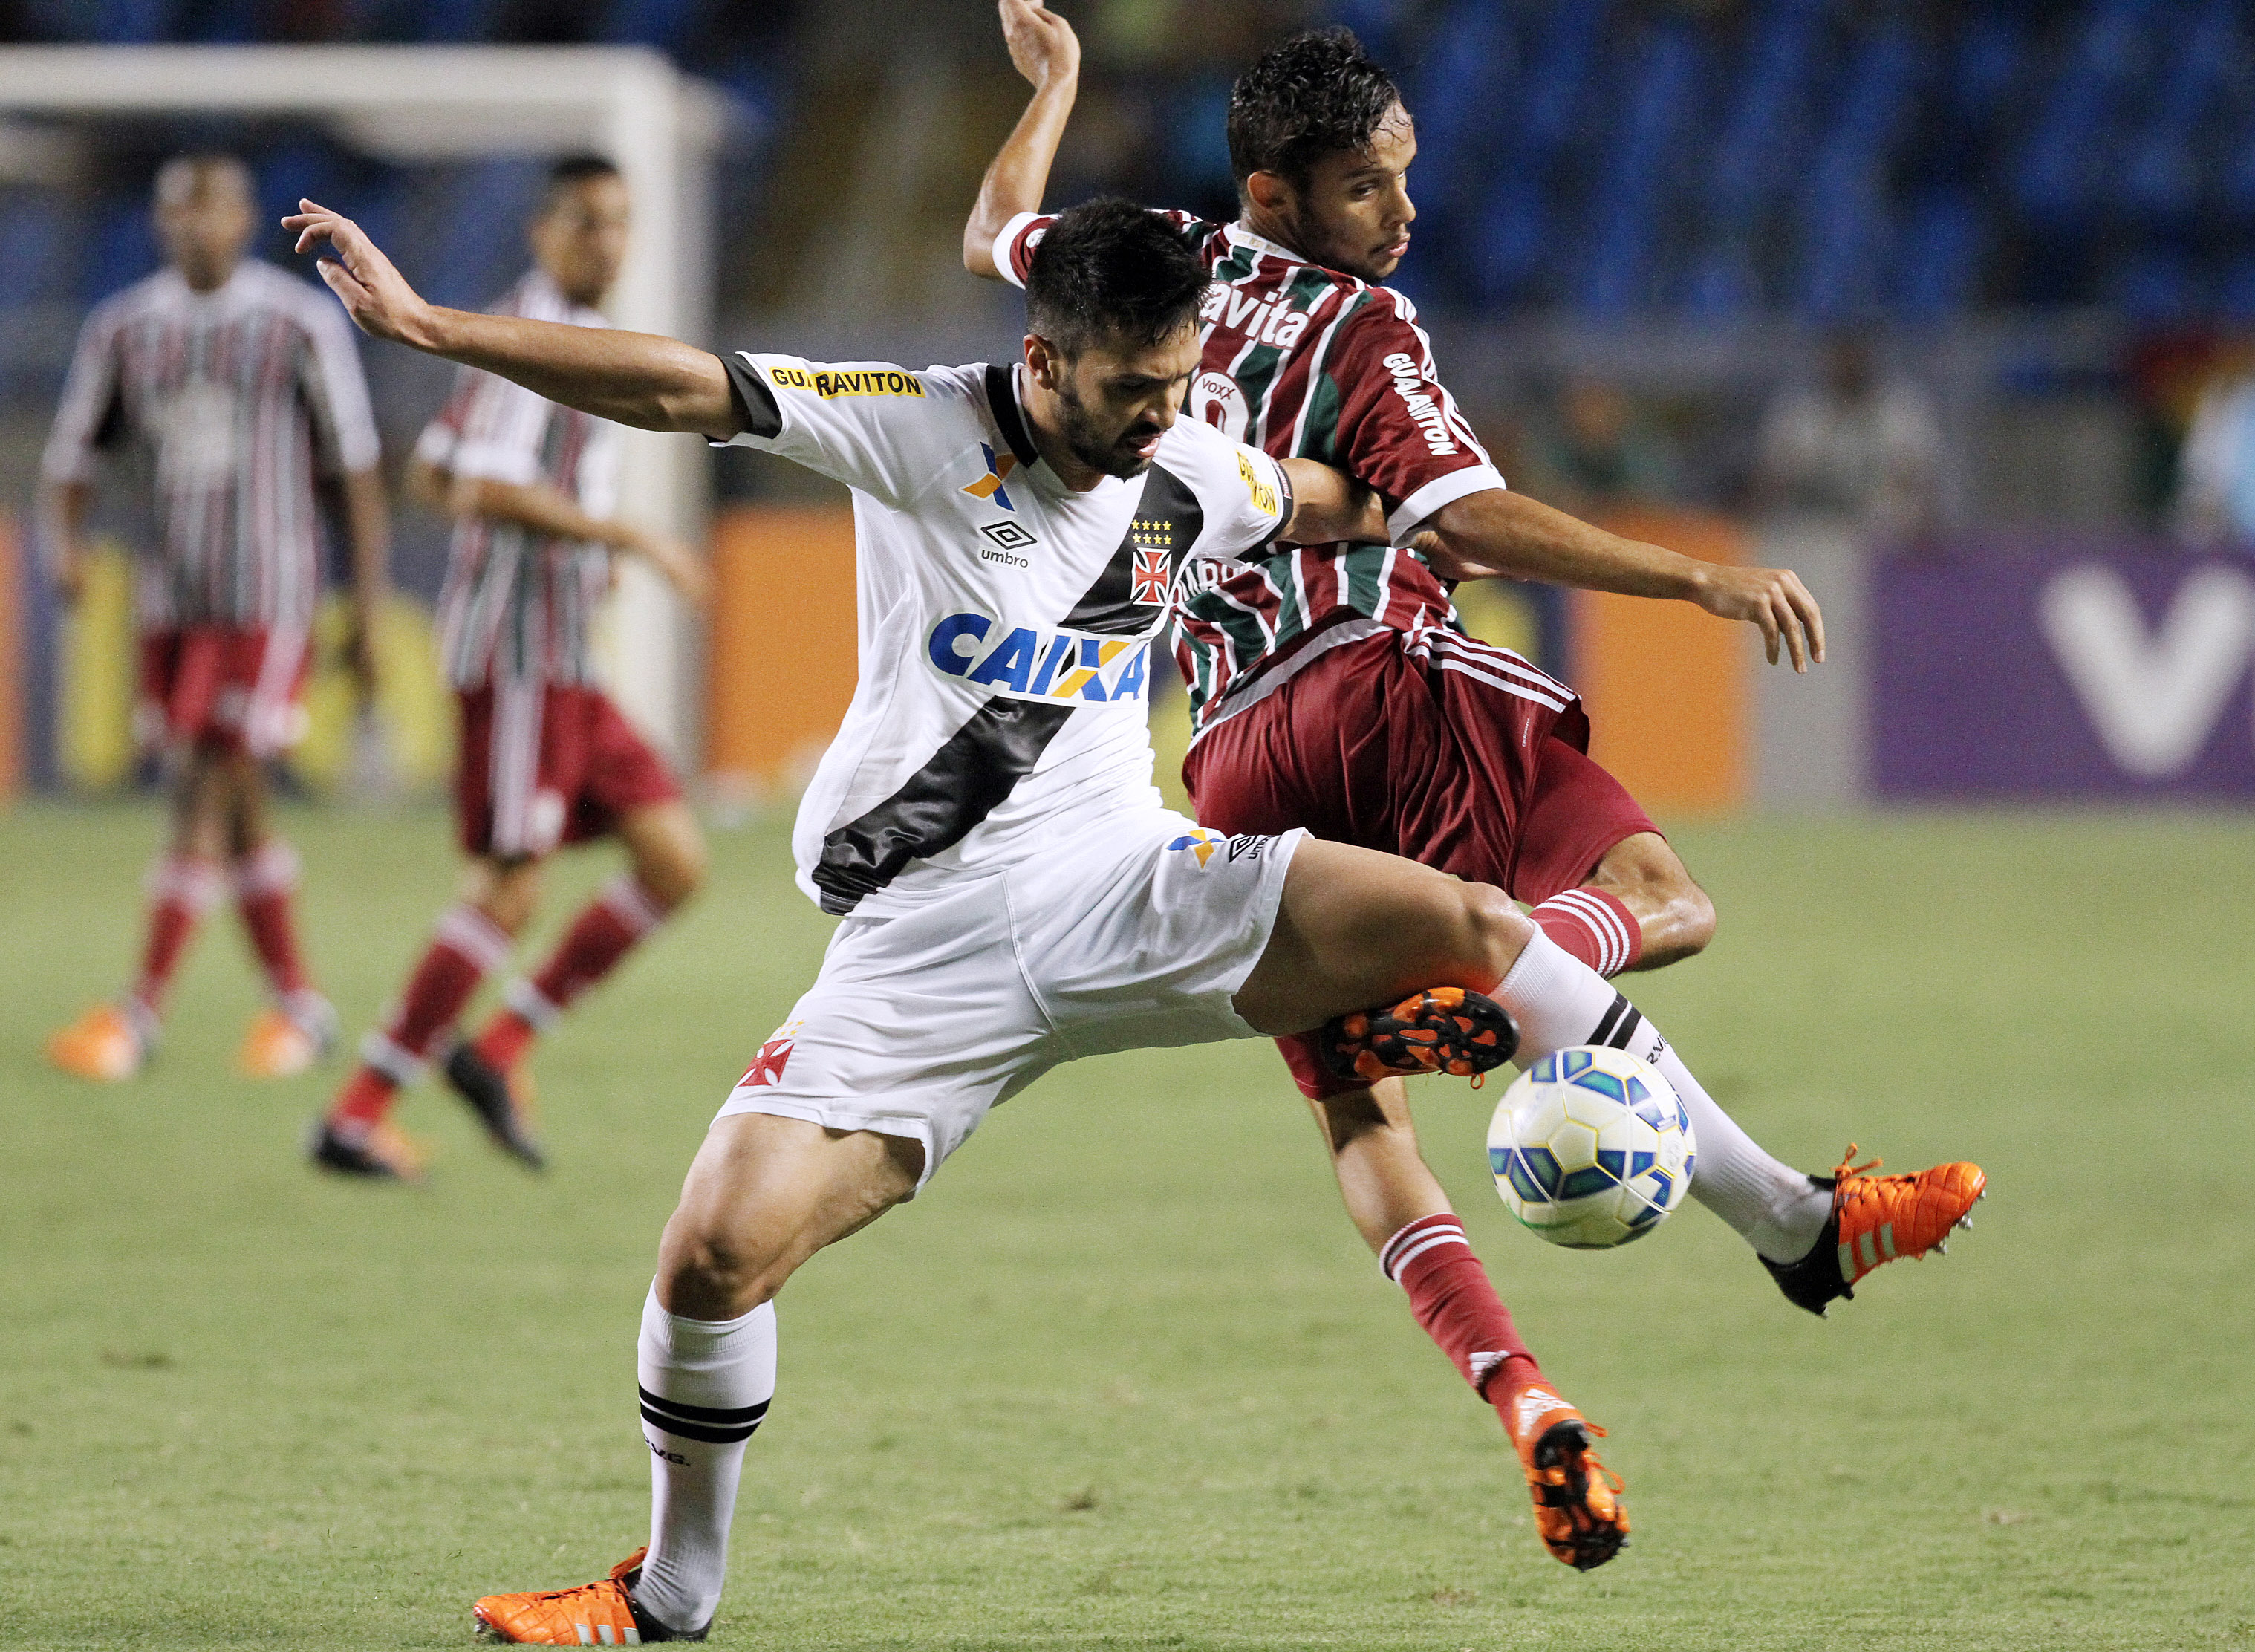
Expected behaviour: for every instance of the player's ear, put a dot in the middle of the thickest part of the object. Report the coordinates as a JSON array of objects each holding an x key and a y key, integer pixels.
[
  {"x": 1269, "y": 192},
  {"x": 1044, "y": 362}
]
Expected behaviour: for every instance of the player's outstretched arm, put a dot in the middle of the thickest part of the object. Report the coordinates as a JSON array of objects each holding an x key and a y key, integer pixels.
[
  {"x": 1330, "y": 506},
  {"x": 1044, "y": 49},
  {"x": 1496, "y": 534},
  {"x": 634, "y": 378}
]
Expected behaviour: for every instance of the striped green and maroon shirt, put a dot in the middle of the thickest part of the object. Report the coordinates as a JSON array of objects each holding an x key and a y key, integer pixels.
[{"x": 1305, "y": 362}]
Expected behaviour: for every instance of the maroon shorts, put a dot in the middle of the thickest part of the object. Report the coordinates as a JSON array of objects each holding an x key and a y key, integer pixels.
[
  {"x": 546, "y": 763},
  {"x": 238, "y": 687},
  {"x": 1434, "y": 748}
]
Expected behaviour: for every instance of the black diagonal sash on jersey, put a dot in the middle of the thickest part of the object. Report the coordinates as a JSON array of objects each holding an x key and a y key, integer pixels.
[
  {"x": 962, "y": 784},
  {"x": 967, "y": 778}
]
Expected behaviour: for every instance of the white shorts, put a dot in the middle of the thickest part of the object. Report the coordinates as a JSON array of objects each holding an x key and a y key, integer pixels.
[{"x": 1134, "y": 937}]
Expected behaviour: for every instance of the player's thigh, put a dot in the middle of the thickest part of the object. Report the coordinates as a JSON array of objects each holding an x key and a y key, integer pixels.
[
  {"x": 1576, "y": 814},
  {"x": 1356, "y": 927},
  {"x": 764, "y": 1193},
  {"x": 666, "y": 847}
]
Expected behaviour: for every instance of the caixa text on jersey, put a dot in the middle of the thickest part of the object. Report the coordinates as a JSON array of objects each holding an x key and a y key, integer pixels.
[{"x": 1023, "y": 663}]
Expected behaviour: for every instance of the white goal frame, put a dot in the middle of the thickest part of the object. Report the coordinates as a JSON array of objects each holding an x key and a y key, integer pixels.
[{"x": 430, "y": 103}]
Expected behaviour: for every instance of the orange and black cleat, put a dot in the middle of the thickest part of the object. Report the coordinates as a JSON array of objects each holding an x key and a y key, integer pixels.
[
  {"x": 1450, "y": 1029},
  {"x": 1578, "y": 1506},
  {"x": 503, "y": 1101},
  {"x": 593, "y": 1614},
  {"x": 1877, "y": 1219}
]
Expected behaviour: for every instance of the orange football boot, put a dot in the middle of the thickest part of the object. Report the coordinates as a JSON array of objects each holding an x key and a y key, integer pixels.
[
  {"x": 277, "y": 1047},
  {"x": 1877, "y": 1219},
  {"x": 593, "y": 1614},
  {"x": 503, "y": 1100},
  {"x": 1450, "y": 1029},
  {"x": 101, "y": 1043},
  {"x": 1578, "y": 1507}
]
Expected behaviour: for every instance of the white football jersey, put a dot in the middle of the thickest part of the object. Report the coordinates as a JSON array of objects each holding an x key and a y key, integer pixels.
[{"x": 1006, "y": 622}]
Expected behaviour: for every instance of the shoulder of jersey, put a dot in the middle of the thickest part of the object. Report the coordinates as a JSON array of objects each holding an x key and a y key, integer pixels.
[
  {"x": 830, "y": 381},
  {"x": 1199, "y": 451}
]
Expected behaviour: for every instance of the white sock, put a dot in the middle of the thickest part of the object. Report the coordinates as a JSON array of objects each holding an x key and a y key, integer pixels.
[
  {"x": 706, "y": 1385},
  {"x": 1558, "y": 1000}
]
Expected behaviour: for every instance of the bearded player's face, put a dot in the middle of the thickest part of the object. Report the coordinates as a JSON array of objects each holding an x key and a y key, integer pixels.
[
  {"x": 1353, "y": 214},
  {"x": 1117, "y": 401}
]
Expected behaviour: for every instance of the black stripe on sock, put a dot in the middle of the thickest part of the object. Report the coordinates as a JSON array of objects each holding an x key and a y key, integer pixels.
[
  {"x": 704, "y": 1413},
  {"x": 1627, "y": 1031},
  {"x": 731, "y": 1435},
  {"x": 1620, "y": 1003}
]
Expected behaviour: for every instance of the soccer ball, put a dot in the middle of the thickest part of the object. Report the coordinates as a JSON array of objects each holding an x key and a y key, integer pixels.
[{"x": 1590, "y": 1147}]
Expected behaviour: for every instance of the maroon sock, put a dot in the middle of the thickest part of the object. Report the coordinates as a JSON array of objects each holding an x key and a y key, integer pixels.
[
  {"x": 1449, "y": 1291},
  {"x": 464, "y": 950},
  {"x": 182, "y": 888},
  {"x": 603, "y": 933},
  {"x": 265, "y": 886},
  {"x": 1594, "y": 926}
]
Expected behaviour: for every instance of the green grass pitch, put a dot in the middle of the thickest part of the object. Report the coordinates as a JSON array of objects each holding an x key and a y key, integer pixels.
[{"x": 1124, "y": 1377}]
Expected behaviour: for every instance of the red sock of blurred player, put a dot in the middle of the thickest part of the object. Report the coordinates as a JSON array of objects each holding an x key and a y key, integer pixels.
[
  {"x": 1593, "y": 926},
  {"x": 605, "y": 932},
  {"x": 466, "y": 948},
  {"x": 1449, "y": 1293},
  {"x": 182, "y": 889},
  {"x": 265, "y": 886}
]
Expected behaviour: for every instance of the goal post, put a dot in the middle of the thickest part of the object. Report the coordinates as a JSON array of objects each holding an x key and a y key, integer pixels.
[{"x": 424, "y": 104}]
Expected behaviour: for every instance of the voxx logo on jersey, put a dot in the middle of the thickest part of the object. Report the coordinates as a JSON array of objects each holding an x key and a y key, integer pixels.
[{"x": 1022, "y": 662}]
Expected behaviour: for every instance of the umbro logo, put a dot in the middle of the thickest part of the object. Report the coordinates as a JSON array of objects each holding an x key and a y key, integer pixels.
[{"x": 1006, "y": 536}]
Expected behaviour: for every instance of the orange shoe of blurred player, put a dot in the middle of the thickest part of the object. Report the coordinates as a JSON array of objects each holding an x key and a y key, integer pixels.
[
  {"x": 1578, "y": 1507},
  {"x": 503, "y": 1099},
  {"x": 593, "y": 1614},
  {"x": 281, "y": 1044},
  {"x": 1877, "y": 1219},
  {"x": 102, "y": 1043}
]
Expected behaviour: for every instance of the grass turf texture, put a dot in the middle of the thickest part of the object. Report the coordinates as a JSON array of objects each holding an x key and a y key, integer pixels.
[{"x": 1124, "y": 1377}]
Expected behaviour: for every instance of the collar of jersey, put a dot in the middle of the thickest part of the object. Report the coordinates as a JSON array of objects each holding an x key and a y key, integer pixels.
[
  {"x": 1240, "y": 236},
  {"x": 237, "y": 278}
]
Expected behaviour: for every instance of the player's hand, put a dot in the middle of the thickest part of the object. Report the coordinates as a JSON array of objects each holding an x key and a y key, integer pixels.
[
  {"x": 1773, "y": 599},
  {"x": 376, "y": 295},
  {"x": 677, "y": 565},
  {"x": 1043, "y": 48}
]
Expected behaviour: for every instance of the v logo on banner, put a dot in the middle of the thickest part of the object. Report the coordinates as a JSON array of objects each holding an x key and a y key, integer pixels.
[{"x": 2154, "y": 698}]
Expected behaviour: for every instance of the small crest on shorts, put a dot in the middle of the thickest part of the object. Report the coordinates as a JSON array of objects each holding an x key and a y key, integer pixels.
[
  {"x": 1201, "y": 843},
  {"x": 767, "y": 1066}
]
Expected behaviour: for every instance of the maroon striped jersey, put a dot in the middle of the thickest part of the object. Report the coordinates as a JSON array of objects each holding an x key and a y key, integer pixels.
[
  {"x": 520, "y": 605},
  {"x": 1305, "y": 362},
  {"x": 242, "y": 397}
]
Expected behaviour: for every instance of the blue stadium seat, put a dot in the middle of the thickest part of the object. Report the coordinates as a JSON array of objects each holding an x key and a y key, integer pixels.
[
  {"x": 1938, "y": 258},
  {"x": 1753, "y": 156},
  {"x": 1620, "y": 275}
]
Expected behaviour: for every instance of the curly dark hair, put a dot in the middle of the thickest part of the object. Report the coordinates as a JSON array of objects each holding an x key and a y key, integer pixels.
[
  {"x": 1107, "y": 271},
  {"x": 1310, "y": 96}
]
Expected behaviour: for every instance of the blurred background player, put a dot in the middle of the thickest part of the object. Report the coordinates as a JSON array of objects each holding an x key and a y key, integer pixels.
[
  {"x": 245, "y": 390},
  {"x": 546, "y": 759},
  {"x": 1333, "y": 687}
]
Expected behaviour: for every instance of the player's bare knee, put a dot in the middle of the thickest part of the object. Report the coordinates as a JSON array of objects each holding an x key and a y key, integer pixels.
[
  {"x": 1493, "y": 933},
  {"x": 706, "y": 1271}
]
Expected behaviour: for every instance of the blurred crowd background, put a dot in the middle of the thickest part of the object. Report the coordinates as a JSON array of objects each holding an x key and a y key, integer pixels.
[{"x": 1946, "y": 278}]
